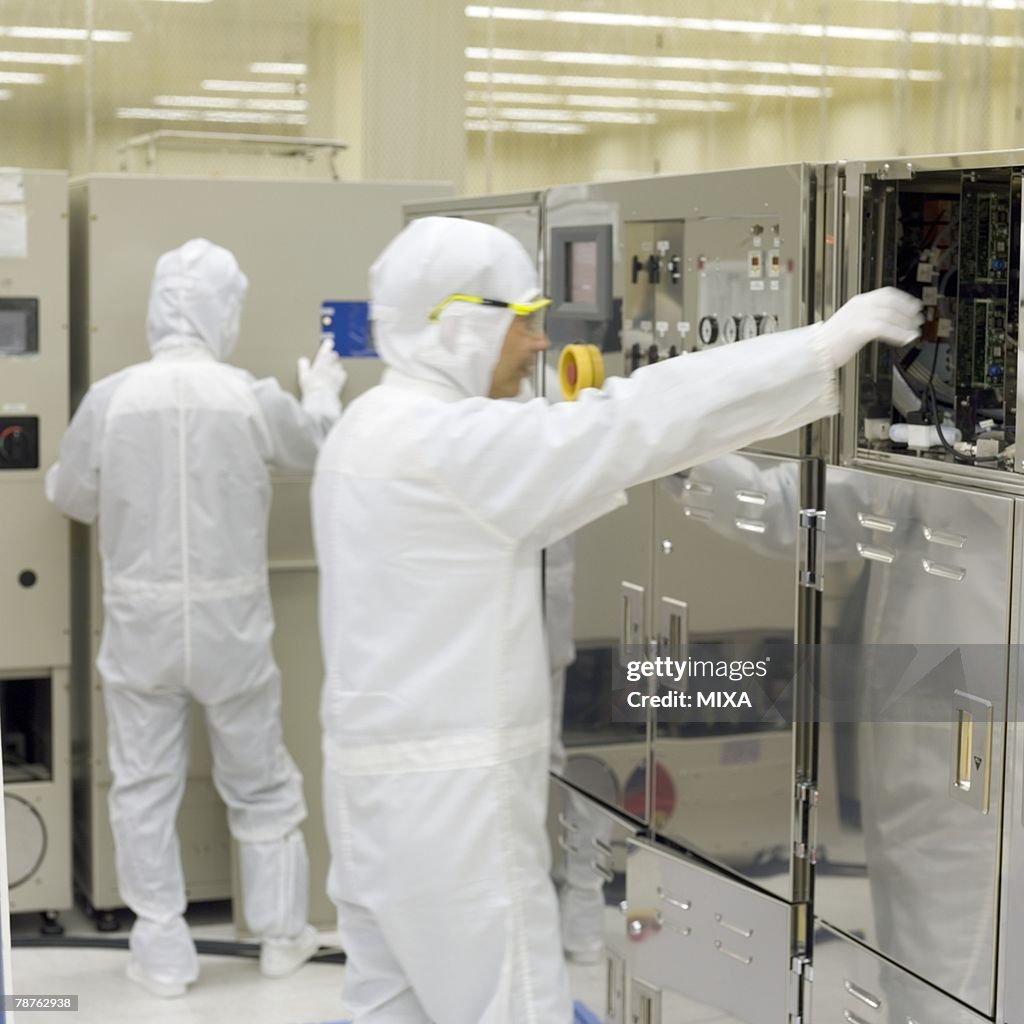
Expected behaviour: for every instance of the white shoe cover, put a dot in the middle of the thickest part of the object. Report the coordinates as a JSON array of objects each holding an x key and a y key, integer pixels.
[
  {"x": 164, "y": 989},
  {"x": 281, "y": 957}
]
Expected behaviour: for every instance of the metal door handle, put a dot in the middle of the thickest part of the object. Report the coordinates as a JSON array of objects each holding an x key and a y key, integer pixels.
[
  {"x": 672, "y": 901},
  {"x": 751, "y": 525},
  {"x": 876, "y": 523},
  {"x": 566, "y": 845},
  {"x": 744, "y": 932},
  {"x": 862, "y": 994},
  {"x": 972, "y": 750},
  {"x": 738, "y": 957},
  {"x": 674, "y": 628},
  {"x": 956, "y": 573},
  {"x": 876, "y": 554},
  {"x": 949, "y": 540},
  {"x": 632, "y": 636},
  {"x": 752, "y": 497}
]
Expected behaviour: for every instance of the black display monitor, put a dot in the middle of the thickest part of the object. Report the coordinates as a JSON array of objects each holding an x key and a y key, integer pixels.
[
  {"x": 19, "y": 326},
  {"x": 582, "y": 305}
]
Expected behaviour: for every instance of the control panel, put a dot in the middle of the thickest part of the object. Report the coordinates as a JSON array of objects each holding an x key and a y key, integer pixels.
[
  {"x": 19, "y": 442},
  {"x": 697, "y": 284}
]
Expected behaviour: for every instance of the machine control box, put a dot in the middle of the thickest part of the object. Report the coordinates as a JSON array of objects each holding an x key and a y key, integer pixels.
[{"x": 951, "y": 238}]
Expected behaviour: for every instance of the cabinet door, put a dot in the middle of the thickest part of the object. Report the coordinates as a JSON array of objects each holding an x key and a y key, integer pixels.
[
  {"x": 912, "y": 695},
  {"x": 704, "y": 947},
  {"x": 599, "y": 584},
  {"x": 725, "y": 571},
  {"x": 855, "y": 986},
  {"x": 589, "y": 847}
]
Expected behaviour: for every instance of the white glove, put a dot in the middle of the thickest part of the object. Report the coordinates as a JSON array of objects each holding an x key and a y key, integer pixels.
[
  {"x": 887, "y": 314},
  {"x": 325, "y": 373}
]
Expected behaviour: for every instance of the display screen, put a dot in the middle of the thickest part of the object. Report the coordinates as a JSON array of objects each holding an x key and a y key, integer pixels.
[
  {"x": 581, "y": 272},
  {"x": 18, "y": 327}
]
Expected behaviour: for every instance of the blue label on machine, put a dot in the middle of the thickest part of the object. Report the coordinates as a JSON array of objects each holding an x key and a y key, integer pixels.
[{"x": 347, "y": 325}]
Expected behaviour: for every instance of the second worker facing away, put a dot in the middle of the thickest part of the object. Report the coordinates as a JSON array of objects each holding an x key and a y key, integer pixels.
[
  {"x": 172, "y": 456},
  {"x": 432, "y": 504}
]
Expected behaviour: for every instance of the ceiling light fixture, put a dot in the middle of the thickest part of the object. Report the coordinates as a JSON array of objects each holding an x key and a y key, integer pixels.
[
  {"x": 567, "y": 116},
  {"x": 805, "y": 30},
  {"x": 230, "y": 103},
  {"x": 74, "y": 35},
  {"x": 280, "y": 68},
  {"x": 645, "y": 84},
  {"x": 22, "y": 78},
  {"x": 28, "y": 57},
  {"x": 638, "y": 103},
  {"x": 220, "y": 116},
  {"x": 480, "y": 96},
  {"x": 222, "y": 85},
  {"x": 761, "y": 67},
  {"x": 996, "y": 5},
  {"x": 524, "y": 127},
  {"x": 620, "y": 102}
]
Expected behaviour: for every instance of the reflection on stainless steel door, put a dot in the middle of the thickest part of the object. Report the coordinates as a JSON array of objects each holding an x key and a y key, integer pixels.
[
  {"x": 725, "y": 544},
  {"x": 589, "y": 869},
  {"x": 909, "y": 854},
  {"x": 695, "y": 933},
  {"x": 606, "y": 744},
  {"x": 854, "y": 986}
]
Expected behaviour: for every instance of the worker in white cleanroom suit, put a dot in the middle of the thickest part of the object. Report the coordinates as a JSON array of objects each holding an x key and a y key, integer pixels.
[
  {"x": 431, "y": 506},
  {"x": 172, "y": 456}
]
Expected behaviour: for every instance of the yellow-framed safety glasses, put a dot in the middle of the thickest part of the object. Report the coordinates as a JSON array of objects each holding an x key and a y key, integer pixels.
[{"x": 533, "y": 310}]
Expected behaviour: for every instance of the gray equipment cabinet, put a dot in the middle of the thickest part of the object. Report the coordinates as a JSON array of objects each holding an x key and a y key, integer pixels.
[
  {"x": 918, "y": 894},
  {"x": 300, "y": 244},
  {"x": 857, "y": 852},
  {"x": 718, "y": 892},
  {"x": 34, "y": 601}
]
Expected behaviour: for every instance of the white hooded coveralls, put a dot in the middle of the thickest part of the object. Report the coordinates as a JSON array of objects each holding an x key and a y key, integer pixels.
[
  {"x": 172, "y": 457},
  {"x": 431, "y": 506}
]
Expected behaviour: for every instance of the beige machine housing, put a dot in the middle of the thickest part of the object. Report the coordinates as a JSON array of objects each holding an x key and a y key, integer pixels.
[
  {"x": 300, "y": 244},
  {"x": 34, "y": 650}
]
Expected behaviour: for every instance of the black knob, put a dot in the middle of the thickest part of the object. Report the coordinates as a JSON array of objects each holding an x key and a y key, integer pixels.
[
  {"x": 12, "y": 445},
  {"x": 707, "y": 330},
  {"x": 635, "y": 355},
  {"x": 27, "y": 578},
  {"x": 637, "y": 267},
  {"x": 652, "y": 354},
  {"x": 653, "y": 269}
]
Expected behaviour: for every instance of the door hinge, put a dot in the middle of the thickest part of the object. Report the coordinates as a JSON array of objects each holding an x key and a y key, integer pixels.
[
  {"x": 801, "y": 976},
  {"x": 804, "y": 844},
  {"x": 812, "y": 548},
  {"x": 896, "y": 171}
]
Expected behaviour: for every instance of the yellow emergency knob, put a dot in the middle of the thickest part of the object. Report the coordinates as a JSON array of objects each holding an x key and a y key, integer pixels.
[{"x": 579, "y": 367}]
